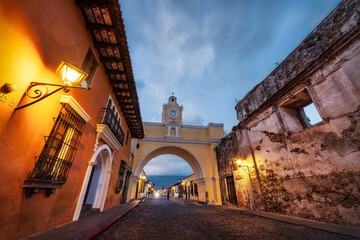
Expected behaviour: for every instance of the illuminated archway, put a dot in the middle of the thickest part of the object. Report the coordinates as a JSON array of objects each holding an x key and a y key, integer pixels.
[{"x": 175, "y": 150}]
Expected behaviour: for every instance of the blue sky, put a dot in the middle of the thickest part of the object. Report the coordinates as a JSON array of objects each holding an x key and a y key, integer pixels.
[{"x": 211, "y": 53}]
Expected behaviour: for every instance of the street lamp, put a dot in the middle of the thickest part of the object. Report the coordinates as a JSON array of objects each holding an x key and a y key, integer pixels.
[
  {"x": 243, "y": 165},
  {"x": 72, "y": 77}
]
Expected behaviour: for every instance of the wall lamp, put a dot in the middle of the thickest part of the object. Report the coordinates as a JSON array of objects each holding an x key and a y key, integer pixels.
[
  {"x": 243, "y": 165},
  {"x": 72, "y": 77}
]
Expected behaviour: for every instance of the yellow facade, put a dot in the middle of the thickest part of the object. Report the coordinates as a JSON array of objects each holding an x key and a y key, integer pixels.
[{"x": 195, "y": 144}]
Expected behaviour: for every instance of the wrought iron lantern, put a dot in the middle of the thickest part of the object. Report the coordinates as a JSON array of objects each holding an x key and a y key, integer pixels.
[{"x": 72, "y": 77}]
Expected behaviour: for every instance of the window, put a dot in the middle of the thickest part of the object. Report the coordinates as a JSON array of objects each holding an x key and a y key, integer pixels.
[
  {"x": 299, "y": 112},
  {"x": 54, "y": 163},
  {"x": 172, "y": 131},
  {"x": 312, "y": 114},
  {"x": 127, "y": 137},
  {"x": 120, "y": 180},
  {"x": 89, "y": 66}
]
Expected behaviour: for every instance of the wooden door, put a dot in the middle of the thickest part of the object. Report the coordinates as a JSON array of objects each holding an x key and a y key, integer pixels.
[{"x": 231, "y": 190}]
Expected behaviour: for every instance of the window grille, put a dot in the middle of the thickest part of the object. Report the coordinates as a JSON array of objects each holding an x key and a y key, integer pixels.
[
  {"x": 112, "y": 122},
  {"x": 54, "y": 163}
]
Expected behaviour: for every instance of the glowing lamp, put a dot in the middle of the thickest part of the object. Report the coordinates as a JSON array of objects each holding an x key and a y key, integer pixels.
[
  {"x": 238, "y": 162},
  {"x": 71, "y": 75}
]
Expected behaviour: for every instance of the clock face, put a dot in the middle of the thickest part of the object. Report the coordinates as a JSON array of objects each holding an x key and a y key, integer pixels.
[{"x": 172, "y": 114}]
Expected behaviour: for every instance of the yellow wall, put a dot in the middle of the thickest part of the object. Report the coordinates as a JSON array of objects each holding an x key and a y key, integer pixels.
[{"x": 195, "y": 145}]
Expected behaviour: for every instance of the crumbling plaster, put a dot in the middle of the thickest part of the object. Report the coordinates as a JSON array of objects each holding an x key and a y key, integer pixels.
[{"x": 312, "y": 172}]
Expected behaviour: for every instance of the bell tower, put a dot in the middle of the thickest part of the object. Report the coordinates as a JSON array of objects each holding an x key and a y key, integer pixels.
[{"x": 172, "y": 116}]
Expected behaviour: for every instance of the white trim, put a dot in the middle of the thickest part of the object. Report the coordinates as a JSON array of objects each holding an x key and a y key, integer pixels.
[
  {"x": 204, "y": 181},
  {"x": 185, "y": 126},
  {"x": 154, "y": 123},
  {"x": 105, "y": 133},
  {"x": 111, "y": 107},
  {"x": 76, "y": 106},
  {"x": 204, "y": 127},
  {"x": 177, "y": 140},
  {"x": 100, "y": 200}
]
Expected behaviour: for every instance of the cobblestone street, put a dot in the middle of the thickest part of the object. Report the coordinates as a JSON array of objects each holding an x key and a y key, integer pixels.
[{"x": 182, "y": 219}]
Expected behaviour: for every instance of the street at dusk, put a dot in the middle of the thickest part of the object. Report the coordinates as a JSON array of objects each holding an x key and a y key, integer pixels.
[
  {"x": 179, "y": 119},
  {"x": 158, "y": 218}
]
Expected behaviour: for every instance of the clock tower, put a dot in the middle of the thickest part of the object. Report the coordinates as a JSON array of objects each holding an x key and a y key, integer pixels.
[{"x": 172, "y": 116}]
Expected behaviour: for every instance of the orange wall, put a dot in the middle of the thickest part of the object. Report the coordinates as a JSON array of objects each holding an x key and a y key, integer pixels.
[{"x": 36, "y": 37}]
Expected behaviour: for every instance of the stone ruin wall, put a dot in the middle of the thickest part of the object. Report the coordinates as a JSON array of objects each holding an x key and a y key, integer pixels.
[
  {"x": 314, "y": 172},
  {"x": 226, "y": 151},
  {"x": 340, "y": 22}
]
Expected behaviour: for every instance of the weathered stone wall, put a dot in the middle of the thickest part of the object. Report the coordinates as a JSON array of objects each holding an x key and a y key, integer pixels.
[
  {"x": 314, "y": 172},
  {"x": 311, "y": 172},
  {"x": 226, "y": 152}
]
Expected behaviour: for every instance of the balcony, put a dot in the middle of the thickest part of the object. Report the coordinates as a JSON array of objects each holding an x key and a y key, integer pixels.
[{"x": 110, "y": 130}]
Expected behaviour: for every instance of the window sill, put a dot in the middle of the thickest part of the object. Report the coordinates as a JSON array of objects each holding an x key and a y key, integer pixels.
[
  {"x": 324, "y": 121},
  {"x": 32, "y": 186}
]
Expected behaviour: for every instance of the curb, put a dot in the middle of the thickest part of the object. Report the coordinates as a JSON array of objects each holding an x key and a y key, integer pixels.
[
  {"x": 323, "y": 226},
  {"x": 106, "y": 226}
]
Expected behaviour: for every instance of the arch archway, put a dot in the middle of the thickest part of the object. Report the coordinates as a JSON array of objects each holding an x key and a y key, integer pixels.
[
  {"x": 100, "y": 165},
  {"x": 175, "y": 150},
  {"x": 194, "y": 144}
]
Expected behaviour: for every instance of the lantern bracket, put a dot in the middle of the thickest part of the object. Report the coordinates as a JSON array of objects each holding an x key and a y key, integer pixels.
[{"x": 39, "y": 91}]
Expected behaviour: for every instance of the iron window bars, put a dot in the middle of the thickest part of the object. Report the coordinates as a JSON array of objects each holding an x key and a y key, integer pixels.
[
  {"x": 111, "y": 121},
  {"x": 54, "y": 163}
]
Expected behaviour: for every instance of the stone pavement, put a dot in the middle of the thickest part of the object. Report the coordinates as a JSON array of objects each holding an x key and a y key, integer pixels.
[
  {"x": 189, "y": 219},
  {"x": 85, "y": 227},
  {"x": 183, "y": 219},
  {"x": 329, "y": 227}
]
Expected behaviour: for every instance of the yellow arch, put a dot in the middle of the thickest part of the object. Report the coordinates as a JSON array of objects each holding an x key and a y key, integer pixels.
[{"x": 175, "y": 150}]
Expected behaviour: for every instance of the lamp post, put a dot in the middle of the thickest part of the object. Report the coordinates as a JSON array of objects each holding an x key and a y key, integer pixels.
[{"x": 72, "y": 77}]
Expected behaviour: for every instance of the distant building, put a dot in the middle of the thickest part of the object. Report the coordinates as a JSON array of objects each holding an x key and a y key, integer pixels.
[
  {"x": 144, "y": 187},
  {"x": 190, "y": 188},
  {"x": 278, "y": 158},
  {"x": 71, "y": 149}
]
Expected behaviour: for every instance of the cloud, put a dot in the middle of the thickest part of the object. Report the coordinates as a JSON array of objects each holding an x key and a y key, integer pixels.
[
  {"x": 211, "y": 52},
  {"x": 194, "y": 119},
  {"x": 168, "y": 165}
]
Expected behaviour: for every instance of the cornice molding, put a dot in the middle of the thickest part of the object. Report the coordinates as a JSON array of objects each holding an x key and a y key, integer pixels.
[
  {"x": 185, "y": 126},
  {"x": 104, "y": 132},
  {"x": 76, "y": 106},
  {"x": 177, "y": 140}
]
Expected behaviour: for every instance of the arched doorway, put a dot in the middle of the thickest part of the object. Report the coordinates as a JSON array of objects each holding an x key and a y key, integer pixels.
[{"x": 94, "y": 189}]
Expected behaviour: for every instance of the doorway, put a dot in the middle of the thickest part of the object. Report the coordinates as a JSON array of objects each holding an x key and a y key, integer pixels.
[
  {"x": 126, "y": 186},
  {"x": 231, "y": 190},
  {"x": 96, "y": 188}
]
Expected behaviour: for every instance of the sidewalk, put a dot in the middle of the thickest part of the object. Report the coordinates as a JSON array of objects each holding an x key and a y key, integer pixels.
[
  {"x": 85, "y": 227},
  {"x": 328, "y": 227}
]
